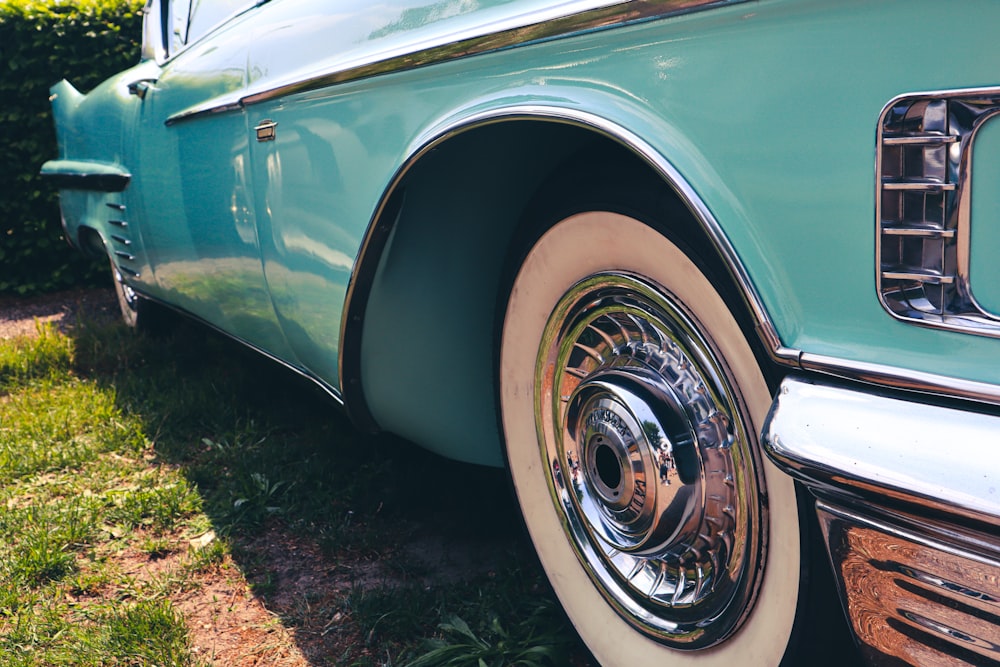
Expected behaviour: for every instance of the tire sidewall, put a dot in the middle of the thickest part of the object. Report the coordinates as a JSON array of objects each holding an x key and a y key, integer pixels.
[{"x": 571, "y": 250}]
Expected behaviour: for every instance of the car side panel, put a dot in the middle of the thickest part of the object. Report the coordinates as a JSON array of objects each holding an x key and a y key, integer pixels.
[
  {"x": 197, "y": 208},
  {"x": 781, "y": 154},
  {"x": 768, "y": 111}
]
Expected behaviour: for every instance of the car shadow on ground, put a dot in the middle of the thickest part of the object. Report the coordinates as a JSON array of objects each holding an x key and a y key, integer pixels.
[{"x": 336, "y": 547}]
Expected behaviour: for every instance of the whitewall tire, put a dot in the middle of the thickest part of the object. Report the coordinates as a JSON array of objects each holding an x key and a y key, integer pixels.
[{"x": 631, "y": 407}]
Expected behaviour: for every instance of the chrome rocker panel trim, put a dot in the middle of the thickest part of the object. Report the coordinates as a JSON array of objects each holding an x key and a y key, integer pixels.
[
  {"x": 327, "y": 388},
  {"x": 571, "y": 18}
]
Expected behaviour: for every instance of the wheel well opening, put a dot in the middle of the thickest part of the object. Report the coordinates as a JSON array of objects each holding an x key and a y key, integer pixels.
[
  {"x": 430, "y": 318},
  {"x": 91, "y": 243}
]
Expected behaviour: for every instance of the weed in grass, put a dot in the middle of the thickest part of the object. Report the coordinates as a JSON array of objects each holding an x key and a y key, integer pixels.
[
  {"x": 157, "y": 547},
  {"x": 494, "y": 646},
  {"x": 147, "y": 633},
  {"x": 40, "y": 559},
  {"x": 208, "y": 556},
  {"x": 256, "y": 497},
  {"x": 158, "y": 507},
  {"x": 40, "y": 541}
]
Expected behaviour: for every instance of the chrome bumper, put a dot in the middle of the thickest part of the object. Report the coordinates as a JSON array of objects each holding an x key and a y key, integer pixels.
[{"x": 908, "y": 498}]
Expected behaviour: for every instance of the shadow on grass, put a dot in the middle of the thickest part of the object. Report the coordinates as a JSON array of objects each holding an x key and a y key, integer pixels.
[{"x": 360, "y": 545}]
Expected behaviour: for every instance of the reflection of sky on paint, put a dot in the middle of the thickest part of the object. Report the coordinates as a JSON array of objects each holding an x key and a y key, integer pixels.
[
  {"x": 334, "y": 41},
  {"x": 299, "y": 243}
]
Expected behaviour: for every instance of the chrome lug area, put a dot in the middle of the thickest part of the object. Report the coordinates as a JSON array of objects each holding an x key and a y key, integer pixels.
[{"x": 649, "y": 461}]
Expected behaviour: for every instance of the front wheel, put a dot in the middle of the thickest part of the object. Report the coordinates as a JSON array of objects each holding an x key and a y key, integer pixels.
[{"x": 631, "y": 404}]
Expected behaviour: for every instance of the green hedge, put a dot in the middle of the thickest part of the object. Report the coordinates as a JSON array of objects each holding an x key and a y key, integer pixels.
[{"x": 42, "y": 41}]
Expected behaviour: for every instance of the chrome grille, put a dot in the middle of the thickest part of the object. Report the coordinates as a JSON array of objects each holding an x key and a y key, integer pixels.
[{"x": 923, "y": 208}]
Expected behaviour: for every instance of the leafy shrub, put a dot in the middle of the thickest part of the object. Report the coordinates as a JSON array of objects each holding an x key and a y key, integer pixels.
[{"x": 42, "y": 41}]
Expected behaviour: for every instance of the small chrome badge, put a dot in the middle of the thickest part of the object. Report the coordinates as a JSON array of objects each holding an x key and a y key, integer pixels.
[{"x": 265, "y": 130}]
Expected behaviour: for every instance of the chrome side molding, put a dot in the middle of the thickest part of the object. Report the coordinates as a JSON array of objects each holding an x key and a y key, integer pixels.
[{"x": 443, "y": 44}]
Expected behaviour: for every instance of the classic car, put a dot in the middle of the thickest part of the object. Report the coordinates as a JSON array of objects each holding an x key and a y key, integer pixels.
[{"x": 714, "y": 280}]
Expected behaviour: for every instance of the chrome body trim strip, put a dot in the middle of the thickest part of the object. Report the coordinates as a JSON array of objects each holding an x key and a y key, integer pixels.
[
  {"x": 867, "y": 446},
  {"x": 900, "y": 378},
  {"x": 387, "y": 213},
  {"x": 575, "y": 17},
  {"x": 327, "y": 388}
]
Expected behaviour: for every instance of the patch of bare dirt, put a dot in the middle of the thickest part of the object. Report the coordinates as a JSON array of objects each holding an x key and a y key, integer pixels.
[
  {"x": 229, "y": 625},
  {"x": 20, "y": 316}
]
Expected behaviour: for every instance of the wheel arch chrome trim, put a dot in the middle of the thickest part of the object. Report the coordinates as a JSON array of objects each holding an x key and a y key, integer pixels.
[
  {"x": 577, "y": 17},
  {"x": 390, "y": 205}
]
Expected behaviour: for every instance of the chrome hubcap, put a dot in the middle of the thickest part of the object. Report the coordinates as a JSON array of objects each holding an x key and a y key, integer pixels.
[
  {"x": 126, "y": 295},
  {"x": 650, "y": 463}
]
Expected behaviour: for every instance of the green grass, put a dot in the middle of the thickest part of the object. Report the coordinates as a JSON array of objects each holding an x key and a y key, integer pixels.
[{"x": 135, "y": 471}]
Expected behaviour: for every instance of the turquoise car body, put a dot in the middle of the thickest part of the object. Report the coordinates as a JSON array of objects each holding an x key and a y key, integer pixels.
[{"x": 337, "y": 184}]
